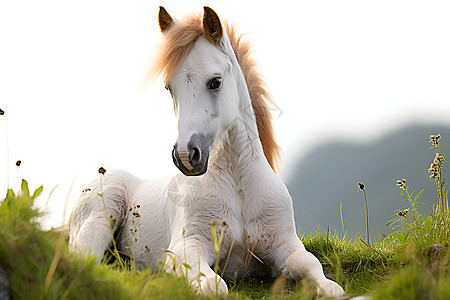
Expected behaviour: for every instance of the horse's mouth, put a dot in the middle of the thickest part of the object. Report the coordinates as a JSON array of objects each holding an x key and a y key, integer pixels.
[{"x": 197, "y": 170}]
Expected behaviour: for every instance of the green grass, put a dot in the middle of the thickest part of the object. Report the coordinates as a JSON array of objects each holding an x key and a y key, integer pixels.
[
  {"x": 411, "y": 263},
  {"x": 40, "y": 266}
]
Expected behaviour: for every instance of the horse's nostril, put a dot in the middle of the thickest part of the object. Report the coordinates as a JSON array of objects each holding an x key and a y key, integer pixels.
[{"x": 195, "y": 156}]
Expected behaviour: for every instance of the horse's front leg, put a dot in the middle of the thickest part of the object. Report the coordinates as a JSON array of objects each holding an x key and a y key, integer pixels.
[
  {"x": 188, "y": 259},
  {"x": 301, "y": 264}
]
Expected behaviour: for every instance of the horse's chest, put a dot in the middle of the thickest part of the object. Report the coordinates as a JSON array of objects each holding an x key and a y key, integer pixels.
[
  {"x": 243, "y": 219},
  {"x": 249, "y": 230},
  {"x": 249, "y": 253}
]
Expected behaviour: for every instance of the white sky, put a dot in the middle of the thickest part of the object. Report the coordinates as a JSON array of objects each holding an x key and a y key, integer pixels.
[{"x": 70, "y": 75}]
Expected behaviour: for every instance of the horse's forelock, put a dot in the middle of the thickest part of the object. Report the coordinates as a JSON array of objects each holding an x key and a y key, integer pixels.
[{"x": 179, "y": 39}]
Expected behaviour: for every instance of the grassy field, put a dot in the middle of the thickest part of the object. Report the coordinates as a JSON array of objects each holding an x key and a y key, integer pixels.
[{"x": 411, "y": 263}]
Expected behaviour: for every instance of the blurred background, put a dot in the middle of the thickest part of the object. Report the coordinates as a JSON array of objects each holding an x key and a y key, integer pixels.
[{"x": 359, "y": 87}]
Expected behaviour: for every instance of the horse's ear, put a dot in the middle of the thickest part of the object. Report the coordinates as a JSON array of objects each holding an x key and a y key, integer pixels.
[
  {"x": 164, "y": 19},
  {"x": 212, "y": 26}
]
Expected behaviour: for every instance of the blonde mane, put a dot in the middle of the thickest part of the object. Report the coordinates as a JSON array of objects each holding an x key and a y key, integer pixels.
[{"x": 177, "y": 42}]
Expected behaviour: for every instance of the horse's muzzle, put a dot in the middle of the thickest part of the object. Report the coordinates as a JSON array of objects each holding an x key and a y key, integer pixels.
[{"x": 192, "y": 159}]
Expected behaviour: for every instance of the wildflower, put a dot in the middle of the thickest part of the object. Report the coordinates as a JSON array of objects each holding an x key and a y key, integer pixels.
[
  {"x": 434, "y": 139},
  {"x": 2, "y": 112},
  {"x": 18, "y": 163},
  {"x": 402, "y": 184},
  {"x": 102, "y": 170}
]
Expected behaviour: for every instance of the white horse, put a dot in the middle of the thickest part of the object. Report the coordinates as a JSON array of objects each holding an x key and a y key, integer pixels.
[{"x": 224, "y": 135}]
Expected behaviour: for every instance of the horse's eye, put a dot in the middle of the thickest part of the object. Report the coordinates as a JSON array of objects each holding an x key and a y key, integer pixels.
[{"x": 215, "y": 83}]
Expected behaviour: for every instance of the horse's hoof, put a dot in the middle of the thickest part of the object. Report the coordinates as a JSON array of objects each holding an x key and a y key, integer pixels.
[
  {"x": 209, "y": 285},
  {"x": 330, "y": 289}
]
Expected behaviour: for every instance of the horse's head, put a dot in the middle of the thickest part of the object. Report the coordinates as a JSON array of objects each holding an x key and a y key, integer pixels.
[{"x": 203, "y": 87}]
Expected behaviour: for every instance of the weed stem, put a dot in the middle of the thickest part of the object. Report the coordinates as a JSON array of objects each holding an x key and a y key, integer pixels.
[{"x": 362, "y": 187}]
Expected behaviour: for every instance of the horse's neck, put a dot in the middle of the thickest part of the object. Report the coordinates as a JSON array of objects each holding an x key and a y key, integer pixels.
[{"x": 241, "y": 153}]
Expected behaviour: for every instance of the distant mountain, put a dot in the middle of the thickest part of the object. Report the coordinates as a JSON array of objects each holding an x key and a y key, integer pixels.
[{"x": 328, "y": 176}]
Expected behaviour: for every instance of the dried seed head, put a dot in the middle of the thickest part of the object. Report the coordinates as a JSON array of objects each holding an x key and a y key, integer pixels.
[
  {"x": 403, "y": 213},
  {"x": 102, "y": 170},
  {"x": 436, "y": 167},
  {"x": 433, "y": 174},
  {"x": 18, "y": 163},
  {"x": 2, "y": 112},
  {"x": 361, "y": 185},
  {"x": 401, "y": 184},
  {"x": 86, "y": 190},
  {"x": 439, "y": 158},
  {"x": 434, "y": 139}
]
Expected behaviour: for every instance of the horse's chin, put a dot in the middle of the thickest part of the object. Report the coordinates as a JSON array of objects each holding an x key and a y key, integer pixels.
[{"x": 192, "y": 172}]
